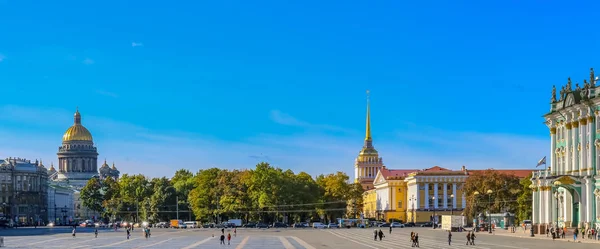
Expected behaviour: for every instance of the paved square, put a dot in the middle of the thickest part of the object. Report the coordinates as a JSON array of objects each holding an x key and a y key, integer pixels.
[{"x": 272, "y": 239}]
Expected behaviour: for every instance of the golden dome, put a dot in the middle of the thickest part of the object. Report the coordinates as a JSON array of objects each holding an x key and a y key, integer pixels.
[{"x": 77, "y": 132}]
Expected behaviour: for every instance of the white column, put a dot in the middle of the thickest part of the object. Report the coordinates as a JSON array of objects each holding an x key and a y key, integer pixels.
[
  {"x": 426, "y": 201},
  {"x": 553, "y": 164},
  {"x": 582, "y": 141},
  {"x": 445, "y": 195},
  {"x": 573, "y": 148},
  {"x": 548, "y": 206},
  {"x": 454, "y": 193},
  {"x": 567, "y": 156},
  {"x": 535, "y": 210},
  {"x": 435, "y": 193},
  {"x": 417, "y": 205},
  {"x": 592, "y": 128},
  {"x": 589, "y": 200},
  {"x": 583, "y": 201},
  {"x": 464, "y": 197}
]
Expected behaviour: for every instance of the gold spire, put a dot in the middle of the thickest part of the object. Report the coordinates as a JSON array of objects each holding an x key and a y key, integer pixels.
[
  {"x": 113, "y": 167},
  {"x": 368, "y": 133}
]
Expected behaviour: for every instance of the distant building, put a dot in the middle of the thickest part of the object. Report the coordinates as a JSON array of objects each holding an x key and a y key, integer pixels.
[
  {"x": 368, "y": 162},
  {"x": 60, "y": 204},
  {"x": 77, "y": 164},
  {"x": 24, "y": 192},
  {"x": 387, "y": 200}
]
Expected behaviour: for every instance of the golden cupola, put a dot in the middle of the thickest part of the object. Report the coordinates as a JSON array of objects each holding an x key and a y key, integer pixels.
[{"x": 77, "y": 132}]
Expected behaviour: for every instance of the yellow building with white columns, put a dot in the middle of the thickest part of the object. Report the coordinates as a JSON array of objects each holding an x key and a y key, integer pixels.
[
  {"x": 387, "y": 200},
  {"x": 435, "y": 191}
]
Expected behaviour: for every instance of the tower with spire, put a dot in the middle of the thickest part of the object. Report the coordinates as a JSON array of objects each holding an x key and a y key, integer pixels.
[{"x": 368, "y": 162}]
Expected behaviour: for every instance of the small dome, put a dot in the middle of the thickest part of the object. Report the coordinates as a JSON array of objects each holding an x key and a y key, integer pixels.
[{"x": 77, "y": 132}]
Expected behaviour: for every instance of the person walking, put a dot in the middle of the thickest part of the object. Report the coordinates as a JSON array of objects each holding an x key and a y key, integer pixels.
[
  {"x": 472, "y": 239},
  {"x": 575, "y": 234},
  {"x": 96, "y": 233},
  {"x": 375, "y": 234},
  {"x": 417, "y": 239},
  {"x": 128, "y": 233},
  {"x": 449, "y": 238},
  {"x": 468, "y": 238},
  {"x": 228, "y": 238},
  {"x": 390, "y": 229},
  {"x": 380, "y": 234},
  {"x": 222, "y": 239},
  {"x": 73, "y": 232}
]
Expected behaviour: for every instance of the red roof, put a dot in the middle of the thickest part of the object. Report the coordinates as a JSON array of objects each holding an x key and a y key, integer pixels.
[
  {"x": 387, "y": 173},
  {"x": 520, "y": 173}
]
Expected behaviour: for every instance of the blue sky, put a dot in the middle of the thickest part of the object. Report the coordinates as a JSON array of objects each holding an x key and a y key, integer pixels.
[{"x": 194, "y": 84}]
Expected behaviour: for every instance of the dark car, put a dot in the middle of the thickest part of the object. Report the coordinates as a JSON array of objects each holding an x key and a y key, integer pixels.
[
  {"x": 249, "y": 225},
  {"x": 262, "y": 225},
  {"x": 409, "y": 224},
  {"x": 279, "y": 225},
  {"x": 385, "y": 225}
]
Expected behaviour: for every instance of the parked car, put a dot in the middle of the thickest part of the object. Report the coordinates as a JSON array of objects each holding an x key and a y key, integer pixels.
[
  {"x": 409, "y": 224},
  {"x": 333, "y": 225},
  {"x": 279, "y": 225},
  {"x": 250, "y": 225},
  {"x": 318, "y": 225},
  {"x": 163, "y": 224},
  {"x": 397, "y": 224},
  {"x": 262, "y": 225},
  {"x": 384, "y": 225},
  {"x": 191, "y": 224}
]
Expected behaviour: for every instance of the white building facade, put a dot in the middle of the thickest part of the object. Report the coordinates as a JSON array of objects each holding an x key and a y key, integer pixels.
[{"x": 567, "y": 192}]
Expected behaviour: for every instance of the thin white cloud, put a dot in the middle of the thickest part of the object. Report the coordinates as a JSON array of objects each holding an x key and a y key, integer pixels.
[
  {"x": 107, "y": 93},
  {"x": 137, "y": 44},
  {"x": 88, "y": 61},
  {"x": 2, "y": 57},
  {"x": 286, "y": 119},
  {"x": 137, "y": 149}
]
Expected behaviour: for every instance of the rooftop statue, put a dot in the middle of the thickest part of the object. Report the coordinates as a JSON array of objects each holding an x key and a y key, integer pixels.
[{"x": 553, "y": 99}]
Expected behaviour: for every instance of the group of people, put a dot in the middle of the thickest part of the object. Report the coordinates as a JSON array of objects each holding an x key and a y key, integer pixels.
[{"x": 228, "y": 236}]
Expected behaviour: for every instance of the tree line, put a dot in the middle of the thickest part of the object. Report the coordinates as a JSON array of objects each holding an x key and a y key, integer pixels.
[{"x": 263, "y": 194}]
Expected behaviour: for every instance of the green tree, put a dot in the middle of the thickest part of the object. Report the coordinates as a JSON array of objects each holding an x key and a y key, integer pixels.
[
  {"x": 91, "y": 196},
  {"x": 183, "y": 182},
  {"x": 204, "y": 198},
  {"x": 335, "y": 194},
  {"x": 111, "y": 198},
  {"x": 505, "y": 189},
  {"x": 161, "y": 206},
  {"x": 524, "y": 201},
  {"x": 355, "y": 202}
]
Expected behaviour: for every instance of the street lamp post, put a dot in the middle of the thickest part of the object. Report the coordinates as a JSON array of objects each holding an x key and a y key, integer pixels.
[
  {"x": 475, "y": 195},
  {"x": 452, "y": 208},
  {"x": 489, "y": 192},
  {"x": 433, "y": 218}
]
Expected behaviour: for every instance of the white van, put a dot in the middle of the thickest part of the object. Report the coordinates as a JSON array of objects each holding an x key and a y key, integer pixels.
[{"x": 191, "y": 224}]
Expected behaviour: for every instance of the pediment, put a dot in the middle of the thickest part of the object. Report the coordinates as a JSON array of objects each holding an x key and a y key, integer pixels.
[{"x": 379, "y": 178}]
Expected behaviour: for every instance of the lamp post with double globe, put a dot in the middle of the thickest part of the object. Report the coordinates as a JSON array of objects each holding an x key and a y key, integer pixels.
[
  {"x": 490, "y": 192},
  {"x": 452, "y": 203}
]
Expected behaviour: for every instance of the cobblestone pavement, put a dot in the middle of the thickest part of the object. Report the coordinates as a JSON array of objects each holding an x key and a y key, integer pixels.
[{"x": 279, "y": 239}]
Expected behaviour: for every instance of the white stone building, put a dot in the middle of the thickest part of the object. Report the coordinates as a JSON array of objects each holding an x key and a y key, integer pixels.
[{"x": 567, "y": 192}]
